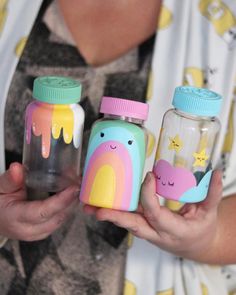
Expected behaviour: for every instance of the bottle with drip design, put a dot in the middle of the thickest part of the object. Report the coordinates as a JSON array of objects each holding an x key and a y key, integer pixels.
[{"x": 53, "y": 136}]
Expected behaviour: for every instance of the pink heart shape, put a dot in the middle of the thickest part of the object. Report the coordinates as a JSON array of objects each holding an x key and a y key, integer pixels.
[{"x": 172, "y": 182}]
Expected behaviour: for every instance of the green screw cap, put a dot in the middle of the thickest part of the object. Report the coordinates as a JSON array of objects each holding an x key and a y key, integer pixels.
[{"x": 57, "y": 90}]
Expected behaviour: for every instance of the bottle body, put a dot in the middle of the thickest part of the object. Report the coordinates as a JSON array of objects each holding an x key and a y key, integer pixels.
[
  {"x": 52, "y": 145},
  {"x": 183, "y": 163},
  {"x": 114, "y": 164}
]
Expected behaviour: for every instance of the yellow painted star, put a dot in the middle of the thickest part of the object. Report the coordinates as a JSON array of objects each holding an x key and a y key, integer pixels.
[
  {"x": 200, "y": 158},
  {"x": 175, "y": 143}
]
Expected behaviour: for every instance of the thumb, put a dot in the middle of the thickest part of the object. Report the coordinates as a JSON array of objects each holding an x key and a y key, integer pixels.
[
  {"x": 12, "y": 180},
  {"x": 214, "y": 193},
  {"x": 149, "y": 199}
]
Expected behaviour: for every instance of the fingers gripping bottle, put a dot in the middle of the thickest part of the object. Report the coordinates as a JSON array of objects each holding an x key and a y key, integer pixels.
[
  {"x": 183, "y": 164},
  {"x": 53, "y": 135},
  {"x": 115, "y": 158}
]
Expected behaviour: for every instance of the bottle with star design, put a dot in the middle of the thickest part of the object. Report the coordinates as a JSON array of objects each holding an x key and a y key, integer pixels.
[{"x": 187, "y": 141}]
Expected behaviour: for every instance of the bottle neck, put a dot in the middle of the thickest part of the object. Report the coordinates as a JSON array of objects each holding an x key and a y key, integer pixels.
[
  {"x": 194, "y": 117},
  {"x": 124, "y": 118},
  {"x": 58, "y": 106}
]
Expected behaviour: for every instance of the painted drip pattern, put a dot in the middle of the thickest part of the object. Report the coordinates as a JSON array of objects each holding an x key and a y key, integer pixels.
[{"x": 47, "y": 121}]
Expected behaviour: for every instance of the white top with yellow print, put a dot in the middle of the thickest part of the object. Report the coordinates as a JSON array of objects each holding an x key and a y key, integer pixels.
[
  {"x": 195, "y": 45},
  {"x": 16, "y": 20}
]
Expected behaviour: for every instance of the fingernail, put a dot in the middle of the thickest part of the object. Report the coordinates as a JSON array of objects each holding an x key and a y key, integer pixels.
[
  {"x": 13, "y": 165},
  {"x": 148, "y": 177},
  {"x": 218, "y": 175},
  {"x": 220, "y": 181}
]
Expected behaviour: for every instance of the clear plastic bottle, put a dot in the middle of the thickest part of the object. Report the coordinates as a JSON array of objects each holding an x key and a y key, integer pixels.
[
  {"x": 53, "y": 136},
  {"x": 115, "y": 157},
  {"x": 183, "y": 164}
]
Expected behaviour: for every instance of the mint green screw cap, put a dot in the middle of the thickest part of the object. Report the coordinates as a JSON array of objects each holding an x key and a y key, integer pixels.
[
  {"x": 57, "y": 90},
  {"x": 197, "y": 101}
]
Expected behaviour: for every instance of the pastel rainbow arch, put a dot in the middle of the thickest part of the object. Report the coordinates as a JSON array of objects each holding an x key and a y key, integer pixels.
[{"x": 114, "y": 166}]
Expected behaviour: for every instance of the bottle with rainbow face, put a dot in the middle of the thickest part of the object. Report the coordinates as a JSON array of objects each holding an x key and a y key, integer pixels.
[
  {"x": 53, "y": 135},
  {"x": 116, "y": 154},
  {"x": 188, "y": 137}
]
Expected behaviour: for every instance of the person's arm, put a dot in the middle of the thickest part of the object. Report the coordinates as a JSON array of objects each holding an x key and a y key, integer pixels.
[
  {"x": 223, "y": 249},
  {"x": 104, "y": 30},
  {"x": 204, "y": 232}
]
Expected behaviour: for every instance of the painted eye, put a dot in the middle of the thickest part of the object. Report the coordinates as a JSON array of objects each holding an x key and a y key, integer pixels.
[
  {"x": 102, "y": 134},
  {"x": 205, "y": 81},
  {"x": 130, "y": 142},
  {"x": 158, "y": 177},
  {"x": 171, "y": 183}
]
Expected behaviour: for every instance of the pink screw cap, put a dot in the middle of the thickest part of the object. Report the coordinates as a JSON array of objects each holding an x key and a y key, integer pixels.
[{"x": 124, "y": 107}]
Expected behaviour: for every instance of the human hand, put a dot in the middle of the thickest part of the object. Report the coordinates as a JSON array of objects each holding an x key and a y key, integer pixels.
[
  {"x": 188, "y": 233},
  {"x": 31, "y": 220}
]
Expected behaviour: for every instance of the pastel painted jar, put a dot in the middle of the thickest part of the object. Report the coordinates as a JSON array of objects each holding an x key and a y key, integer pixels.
[
  {"x": 53, "y": 135},
  {"x": 116, "y": 154},
  {"x": 183, "y": 163}
]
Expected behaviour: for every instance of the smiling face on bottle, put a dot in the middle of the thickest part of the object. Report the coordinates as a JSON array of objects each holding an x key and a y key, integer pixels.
[
  {"x": 172, "y": 182},
  {"x": 108, "y": 139}
]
